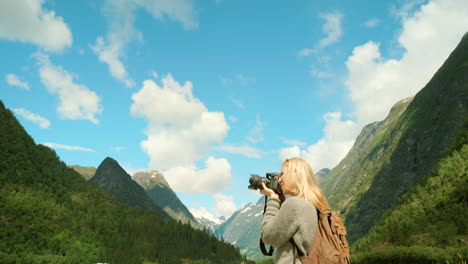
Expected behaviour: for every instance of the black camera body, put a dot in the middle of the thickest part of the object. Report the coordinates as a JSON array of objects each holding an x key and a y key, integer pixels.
[{"x": 271, "y": 181}]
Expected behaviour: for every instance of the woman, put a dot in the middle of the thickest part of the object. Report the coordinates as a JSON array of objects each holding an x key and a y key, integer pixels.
[{"x": 296, "y": 217}]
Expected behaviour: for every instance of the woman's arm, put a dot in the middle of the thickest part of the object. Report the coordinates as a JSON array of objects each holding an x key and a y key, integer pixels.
[{"x": 281, "y": 221}]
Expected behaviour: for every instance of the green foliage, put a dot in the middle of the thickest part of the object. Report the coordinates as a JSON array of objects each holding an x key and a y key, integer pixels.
[
  {"x": 390, "y": 157},
  {"x": 434, "y": 213},
  {"x": 413, "y": 255},
  {"x": 50, "y": 214},
  {"x": 265, "y": 261}
]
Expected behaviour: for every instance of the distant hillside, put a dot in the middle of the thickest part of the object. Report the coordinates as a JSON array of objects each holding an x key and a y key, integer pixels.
[
  {"x": 392, "y": 156},
  {"x": 243, "y": 229},
  {"x": 321, "y": 174},
  {"x": 157, "y": 188},
  {"x": 51, "y": 214},
  {"x": 113, "y": 179},
  {"x": 209, "y": 223},
  {"x": 86, "y": 172}
]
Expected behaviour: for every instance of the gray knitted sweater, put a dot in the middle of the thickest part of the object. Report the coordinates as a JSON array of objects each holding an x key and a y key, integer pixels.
[{"x": 295, "y": 218}]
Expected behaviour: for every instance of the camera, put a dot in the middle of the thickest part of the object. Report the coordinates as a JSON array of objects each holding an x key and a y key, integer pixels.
[{"x": 271, "y": 181}]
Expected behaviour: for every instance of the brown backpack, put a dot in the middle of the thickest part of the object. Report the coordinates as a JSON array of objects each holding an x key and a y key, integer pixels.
[{"x": 330, "y": 245}]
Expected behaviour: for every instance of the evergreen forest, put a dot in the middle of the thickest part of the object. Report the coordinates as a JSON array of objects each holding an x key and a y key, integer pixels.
[{"x": 51, "y": 214}]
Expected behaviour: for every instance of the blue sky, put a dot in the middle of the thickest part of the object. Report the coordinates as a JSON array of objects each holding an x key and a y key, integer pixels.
[{"x": 208, "y": 92}]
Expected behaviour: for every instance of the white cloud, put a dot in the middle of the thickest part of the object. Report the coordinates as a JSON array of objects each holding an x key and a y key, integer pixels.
[
  {"x": 407, "y": 9},
  {"x": 328, "y": 151},
  {"x": 66, "y": 147},
  {"x": 28, "y": 21},
  {"x": 429, "y": 33},
  {"x": 244, "y": 150},
  {"x": 372, "y": 23},
  {"x": 203, "y": 212},
  {"x": 181, "y": 131},
  {"x": 190, "y": 180},
  {"x": 224, "y": 205},
  {"x": 13, "y": 80},
  {"x": 256, "y": 133},
  {"x": 35, "y": 118},
  {"x": 121, "y": 16},
  {"x": 76, "y": 100},
  {"x": 110, "y": 51},
  {"x": 289, "y": 152},
  {"x": 332, "y": 28},
  {"x": 178, "y": 10},
  {"x": 376, "y": 83}
]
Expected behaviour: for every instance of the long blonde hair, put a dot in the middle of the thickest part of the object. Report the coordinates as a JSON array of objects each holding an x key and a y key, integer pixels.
[{"x": 304, "y": 185}]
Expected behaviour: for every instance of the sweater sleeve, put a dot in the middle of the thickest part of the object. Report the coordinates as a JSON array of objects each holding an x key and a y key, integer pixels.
[{"x": 283, "y": 221}]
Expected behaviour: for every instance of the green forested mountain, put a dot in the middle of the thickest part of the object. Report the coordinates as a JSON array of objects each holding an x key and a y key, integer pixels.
[
  {"x": 392, "y": 156},
  {"x": 242, "y": 229},
  {"x": 407, "y": 174},
  {"x": 157, "y": 188},
  {"x": 113, "y": 179},
  {"x": 50, "y": 214},
  {"x": 86, "y": 172},
  {"x": 433, "y": 214}
]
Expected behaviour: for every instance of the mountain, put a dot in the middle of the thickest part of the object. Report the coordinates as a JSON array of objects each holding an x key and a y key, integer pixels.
[
  {"x": 113, "y": 179},
  {"x": 157, "y": 188},
  {"x": 209, "y": 223},
  {"x": 51, "y": 214},
  {"x": 392, "y": 156},
  {"x": 432, "y": 214},
  {"x": 86, "y": 172},
  {"x": 321, "y": 174},
  {"x": 242, "y": 229}
]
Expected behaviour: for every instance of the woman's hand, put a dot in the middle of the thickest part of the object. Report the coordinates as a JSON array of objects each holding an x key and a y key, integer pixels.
[{"x": 268, "y": 192}]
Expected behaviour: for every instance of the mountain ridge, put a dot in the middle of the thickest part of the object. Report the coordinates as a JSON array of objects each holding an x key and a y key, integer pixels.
[
  {"x": 403, "y": 149},
  {"x": 113, "y": 179}
]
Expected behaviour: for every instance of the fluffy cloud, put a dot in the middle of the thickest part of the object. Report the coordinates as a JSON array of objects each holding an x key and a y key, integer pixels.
[
  {"x": 224, "y": 205},
  {"x": 428, "y": 37},
  {"x": 181, "y": 131},
  {"x": 28, "y": 21},
  {"x": 191, "y": 180},
  {"x": 67, "y": 147},
  {"x": 13, "y": 80},
  {"x": 35, "y": 118},
  {"x": 76, "y": 100},
  {"x": 120, "y": 13},
  {"x": 375, "y": 83},
  {"x": 328, "y": 151}
]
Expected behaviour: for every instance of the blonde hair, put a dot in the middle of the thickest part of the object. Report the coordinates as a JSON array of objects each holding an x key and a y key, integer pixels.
[{"x": 304, "y": 185}]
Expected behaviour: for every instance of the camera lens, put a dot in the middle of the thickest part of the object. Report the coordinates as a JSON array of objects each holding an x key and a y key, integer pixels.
[{"x": 256, "y": 182}]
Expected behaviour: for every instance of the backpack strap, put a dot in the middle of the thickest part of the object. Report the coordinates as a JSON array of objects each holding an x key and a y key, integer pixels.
[
  {"x": 262, "y": 244},
  {"x": 263, "y": 249}
]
